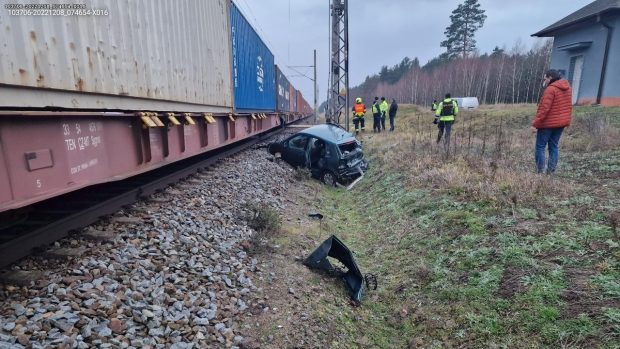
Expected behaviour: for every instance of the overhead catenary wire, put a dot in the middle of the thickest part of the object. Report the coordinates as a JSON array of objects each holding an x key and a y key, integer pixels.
[
  {"x": 250, "y": 16},
  {"x": 248, "y": 13},
  {"x": 299, "y": 73}
]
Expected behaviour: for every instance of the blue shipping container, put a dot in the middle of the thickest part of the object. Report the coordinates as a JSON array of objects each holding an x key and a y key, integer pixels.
[
  {"x": 254, "y": 76},
  {"x": 283, "y": 98}
]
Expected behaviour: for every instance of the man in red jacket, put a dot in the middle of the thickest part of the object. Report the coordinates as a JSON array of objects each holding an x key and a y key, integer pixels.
[{"x": 554, "y": 113}]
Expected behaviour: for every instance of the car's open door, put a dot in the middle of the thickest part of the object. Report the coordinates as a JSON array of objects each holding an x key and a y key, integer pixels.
[{"x": 294, "y": 151}]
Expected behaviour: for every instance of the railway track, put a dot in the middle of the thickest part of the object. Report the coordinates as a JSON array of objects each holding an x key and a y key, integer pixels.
[{"x": 51, "y": 220}]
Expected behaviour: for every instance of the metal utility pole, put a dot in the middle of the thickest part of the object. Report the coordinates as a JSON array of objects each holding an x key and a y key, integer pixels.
[
  {"x": 293, "y": 67},
  {"x": 338, "y": 102},
  {"x": 316, "y": 92}
]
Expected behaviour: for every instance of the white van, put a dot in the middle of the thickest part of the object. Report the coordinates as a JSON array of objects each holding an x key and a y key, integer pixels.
[{"x": 467, "y": 102}]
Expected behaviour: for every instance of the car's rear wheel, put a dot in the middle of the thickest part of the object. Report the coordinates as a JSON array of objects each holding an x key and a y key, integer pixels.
[{"x": 329, "y": 178}]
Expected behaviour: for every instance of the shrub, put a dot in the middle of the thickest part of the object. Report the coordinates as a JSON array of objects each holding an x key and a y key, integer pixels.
[{"x": 263, "y": 219}]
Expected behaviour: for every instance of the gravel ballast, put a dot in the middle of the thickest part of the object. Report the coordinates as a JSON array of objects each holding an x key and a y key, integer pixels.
[{"x": 170, "y": 271}]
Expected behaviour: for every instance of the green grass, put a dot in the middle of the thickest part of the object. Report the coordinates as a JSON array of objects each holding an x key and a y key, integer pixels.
[{"x": 444, "y": 257}]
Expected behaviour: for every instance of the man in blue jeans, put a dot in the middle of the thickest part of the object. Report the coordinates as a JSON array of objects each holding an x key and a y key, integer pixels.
[
  {"x": 550, "y": 137},
  {"x": 553, "y": 115}
]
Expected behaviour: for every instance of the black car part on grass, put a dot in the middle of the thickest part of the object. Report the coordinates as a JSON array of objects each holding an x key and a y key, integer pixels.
[{"x": 353, "y": 278}]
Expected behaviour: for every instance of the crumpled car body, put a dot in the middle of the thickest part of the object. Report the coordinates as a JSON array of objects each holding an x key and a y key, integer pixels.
[{"x": 330, "y": 153}]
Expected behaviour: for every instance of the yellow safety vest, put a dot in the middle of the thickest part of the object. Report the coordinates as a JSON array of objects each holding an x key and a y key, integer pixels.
[
  {"x": 455, "y": 110},
  {"x": 384, "y": 107}
]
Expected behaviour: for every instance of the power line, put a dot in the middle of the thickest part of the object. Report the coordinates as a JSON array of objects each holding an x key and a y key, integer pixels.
[
  {"x": 271, "y": 46},
  {"x": 299, "y": 73},
  {"x": 251, "y": 16}
]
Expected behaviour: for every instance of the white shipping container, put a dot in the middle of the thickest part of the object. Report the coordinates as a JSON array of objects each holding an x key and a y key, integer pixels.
[{"x": 167, "y": 55}]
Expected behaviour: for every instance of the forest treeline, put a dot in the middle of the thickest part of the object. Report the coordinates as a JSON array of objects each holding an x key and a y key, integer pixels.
[{"x": 502, "y": 76}]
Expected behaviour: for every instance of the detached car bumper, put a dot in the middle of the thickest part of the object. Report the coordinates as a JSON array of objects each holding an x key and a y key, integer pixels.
[{"x": 353, "y": 172}]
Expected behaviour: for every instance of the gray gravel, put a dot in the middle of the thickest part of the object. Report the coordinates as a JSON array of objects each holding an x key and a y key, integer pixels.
[{"x": 175, "y": 275}]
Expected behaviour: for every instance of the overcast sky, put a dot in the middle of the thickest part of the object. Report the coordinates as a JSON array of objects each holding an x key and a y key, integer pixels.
[{"x": 383, "y": 32}]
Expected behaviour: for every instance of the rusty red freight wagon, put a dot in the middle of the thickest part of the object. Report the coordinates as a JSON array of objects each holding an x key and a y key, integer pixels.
[
  {"x": 45, "y": 154},
  {"x": 87, "y": 100},
  {"x": 301, "y": 103}
]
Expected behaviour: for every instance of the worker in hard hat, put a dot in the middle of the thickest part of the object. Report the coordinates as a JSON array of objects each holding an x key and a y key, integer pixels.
[{"x": 359, "y": 111}]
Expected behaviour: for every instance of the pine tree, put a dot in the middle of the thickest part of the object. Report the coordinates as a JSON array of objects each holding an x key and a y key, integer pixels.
[
  {"x": 497, "y": 51},
  {"x": 466, "y": 19}
]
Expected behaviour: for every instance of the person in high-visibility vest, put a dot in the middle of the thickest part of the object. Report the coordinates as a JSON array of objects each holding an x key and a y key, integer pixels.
[
  {"x": 434, "y": 109},
  {"x": 376, "y": 116},
  {"x": 383, "y": 107},
  {"x": 446, "y": 114},
  {"x": 359, "y": 111}
]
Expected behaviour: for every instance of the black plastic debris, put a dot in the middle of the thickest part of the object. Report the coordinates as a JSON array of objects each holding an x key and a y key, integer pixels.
[
  {"x": 333, "y": 247},
  {"x": 315, "y": 215}
]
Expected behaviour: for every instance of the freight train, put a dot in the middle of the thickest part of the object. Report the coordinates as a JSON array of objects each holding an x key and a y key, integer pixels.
[{"x": 91, "y": 99}]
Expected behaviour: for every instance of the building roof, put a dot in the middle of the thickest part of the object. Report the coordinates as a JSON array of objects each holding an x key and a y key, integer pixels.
[
  {"x": 589, "y": 11},
  {"x": 329, "y": 133}
]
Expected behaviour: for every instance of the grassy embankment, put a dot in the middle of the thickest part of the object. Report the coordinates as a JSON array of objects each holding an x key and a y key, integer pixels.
[{"x": 472, "y": 248}]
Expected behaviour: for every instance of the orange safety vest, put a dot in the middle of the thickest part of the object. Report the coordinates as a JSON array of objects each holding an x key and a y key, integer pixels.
[{"x": 360, "y": 109}]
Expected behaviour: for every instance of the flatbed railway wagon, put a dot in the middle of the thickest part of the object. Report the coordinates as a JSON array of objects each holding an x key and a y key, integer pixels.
[{"x": 91, "y": 99}]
